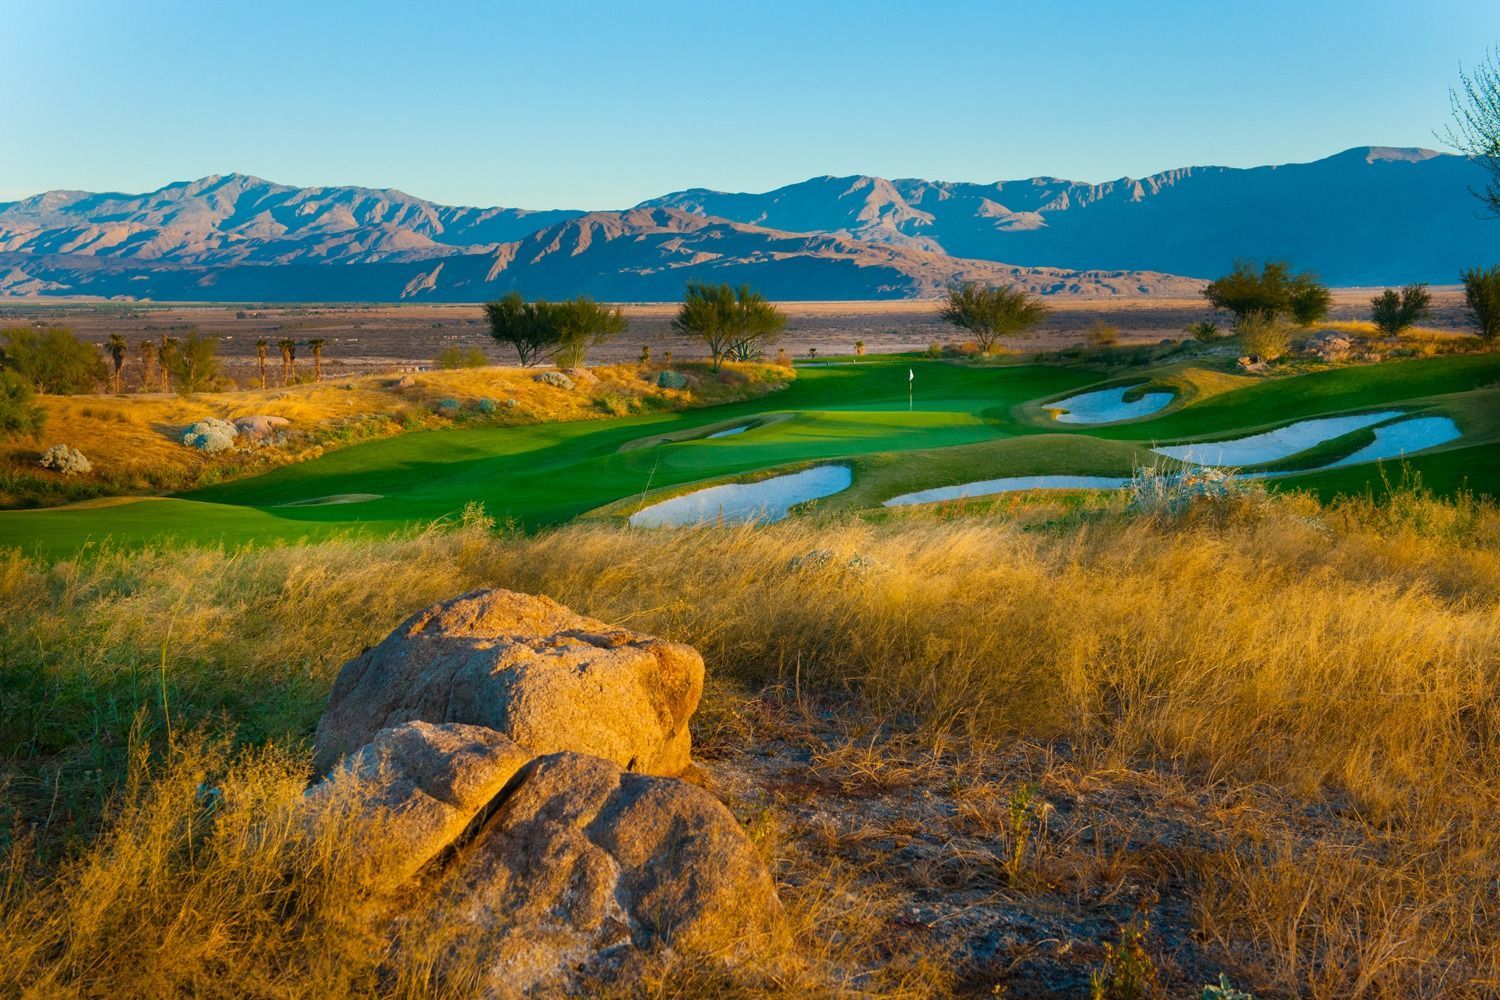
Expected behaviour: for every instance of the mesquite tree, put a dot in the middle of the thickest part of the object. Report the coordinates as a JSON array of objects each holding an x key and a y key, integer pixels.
[
  {"x": 1475, "y": 131},
  {"x": 990, "y": 313}
]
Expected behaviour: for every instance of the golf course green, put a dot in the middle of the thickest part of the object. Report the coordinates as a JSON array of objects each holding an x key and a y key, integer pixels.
[{"x": 963, "y": 423}]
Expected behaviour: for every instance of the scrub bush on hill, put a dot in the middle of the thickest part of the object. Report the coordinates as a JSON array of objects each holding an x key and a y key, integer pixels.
[
  {"x": 1392, "y": 311},
  {"x": 991, "y": 313},
  {"x": 1263, "y": 336},
  {"x": 454, "y": 357},
  {"x": 1482, "y": 296},
  {"x": 1272, "y": 290},
  {"x": 53, "y": 360},
  {"x": 19, "y": 412}
]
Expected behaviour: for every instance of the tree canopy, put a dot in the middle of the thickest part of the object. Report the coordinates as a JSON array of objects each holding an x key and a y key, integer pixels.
[
  {"x": 581, "y": 324},
  {"x": 1394, "y": 311},
  {"x": 1272, "y": 290},
  {"x": 53, "y": 360},
  {"x": 536, "y": 330},
  {"x": 1475, "y": 131},
  {"x": 734, "y": 323},
  {"x": 1482, "y": 295},
  {"x": 990, "y": 313},
  {"x": 195, "y": 363}
]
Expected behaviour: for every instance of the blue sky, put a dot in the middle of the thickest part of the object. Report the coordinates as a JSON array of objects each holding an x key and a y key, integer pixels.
[{"x": 600, "y": 105}]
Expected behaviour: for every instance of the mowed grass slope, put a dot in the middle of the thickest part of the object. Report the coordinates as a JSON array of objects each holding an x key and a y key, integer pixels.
[{"x": 964, "y": 423}]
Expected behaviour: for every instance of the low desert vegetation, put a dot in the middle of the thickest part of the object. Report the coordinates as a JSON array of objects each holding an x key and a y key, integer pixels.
[
  {"x": 737, "y": 324},
  {"x": 1281, "y": 717},
  {"x": 990, "y": 314},
  {"x": 552, "y": 331},
  {"x": 1272, "y": 290}
]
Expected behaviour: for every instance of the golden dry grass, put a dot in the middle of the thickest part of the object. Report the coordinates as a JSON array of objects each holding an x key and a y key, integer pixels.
[
  {"x": 1347, "y": 656},
  {"x": 133, "y": 440}
]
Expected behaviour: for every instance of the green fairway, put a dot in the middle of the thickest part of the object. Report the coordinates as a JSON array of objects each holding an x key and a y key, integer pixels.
[{"x": 964, "y": 423}]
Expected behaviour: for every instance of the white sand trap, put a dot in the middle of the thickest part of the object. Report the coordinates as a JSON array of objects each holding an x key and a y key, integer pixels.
[
  {"x": 742, "y": 428},
  {"x": 1273, "y": 446},
  {"x": 1013, "y": 484},
  {"x": 1403, "y": 438},
  {"x": 737, "y": 503},
  {"x": 1106, "y": 406},
  {"x": 332, "y": 499}
]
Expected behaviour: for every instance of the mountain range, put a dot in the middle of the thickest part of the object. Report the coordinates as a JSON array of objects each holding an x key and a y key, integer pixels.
[{"x": 1367, "y": 216}]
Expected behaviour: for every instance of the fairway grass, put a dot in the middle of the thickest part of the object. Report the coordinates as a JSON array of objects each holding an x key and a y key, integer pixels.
[{"x": 963, "y": 423}]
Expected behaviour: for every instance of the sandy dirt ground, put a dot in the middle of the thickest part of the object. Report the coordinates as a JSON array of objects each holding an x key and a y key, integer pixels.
[{"x": 369, "y": 338}]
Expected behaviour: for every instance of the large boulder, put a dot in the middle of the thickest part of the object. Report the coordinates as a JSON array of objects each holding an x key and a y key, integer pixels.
[
  {"x": 65, "y": 459},
  {"x": 528, "y": 668},
  {"x": 555, "y": 379},
  {"x": 582, "y": 863},
  {"x": 260, "y": 426},
  {"x": 421, "y": 785},
  {"x": 581, "y": 376}
]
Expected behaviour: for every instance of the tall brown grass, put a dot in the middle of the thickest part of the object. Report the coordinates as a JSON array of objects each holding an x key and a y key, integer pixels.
[{"x": 1350, "y": 654}]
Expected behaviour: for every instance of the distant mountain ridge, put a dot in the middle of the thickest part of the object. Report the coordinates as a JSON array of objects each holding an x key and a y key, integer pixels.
[{"x": 1372, "y": 215}]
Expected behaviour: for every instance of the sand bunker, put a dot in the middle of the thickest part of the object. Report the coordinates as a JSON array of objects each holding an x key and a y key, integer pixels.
[
  {"x": 332, "y": 499},
  {"x": 1403, "y": 438},
  {"x": 1013, "y": 484},
  {"x": 1273, "y": 446},
  {"x": 731, "y": 432},
  {"x": 737, "y": 503},
  {"x": 1106, "y": 406}
]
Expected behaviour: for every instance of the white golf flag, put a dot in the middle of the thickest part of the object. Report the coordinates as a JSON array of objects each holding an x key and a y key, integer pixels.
[{"x": 911, "y": 376}]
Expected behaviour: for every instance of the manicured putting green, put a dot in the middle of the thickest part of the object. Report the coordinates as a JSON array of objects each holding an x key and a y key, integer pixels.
[{"x": 964, "y": 423}]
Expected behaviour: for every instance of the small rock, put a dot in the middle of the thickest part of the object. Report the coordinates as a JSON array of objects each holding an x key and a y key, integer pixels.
[
  {"x": 404, "y": 382},
  {"x": 581, "y": 375},
  {"x": 557, "y": 379},
  {"x": 526, "y": 667},
  {"x": 668, "y": 379}
]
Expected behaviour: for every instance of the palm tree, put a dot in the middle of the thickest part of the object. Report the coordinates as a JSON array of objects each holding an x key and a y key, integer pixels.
[
  {"x": 147, "y": 348},
  {"x": 288, "y": 360},
  {"x": 260, "y": 351},
  {"x": 118, "y": 348},
  {"x": 316, "y": 343},
  {"x": 164, "y": 360}
]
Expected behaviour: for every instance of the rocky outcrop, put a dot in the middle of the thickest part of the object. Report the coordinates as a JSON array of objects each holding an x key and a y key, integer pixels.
[
  {"x": 421, "y": 785},
  {"x": 526, "y": 667},
  {"x": 555, "y": 379},
  {"x": 492, "y": 743},
  {"x": 584, "y": 863},
  {"x": 260, "y": 426}
]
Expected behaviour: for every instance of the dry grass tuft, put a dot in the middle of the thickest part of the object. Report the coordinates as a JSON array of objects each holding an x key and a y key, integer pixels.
[{"x": 1347, "y": 657}]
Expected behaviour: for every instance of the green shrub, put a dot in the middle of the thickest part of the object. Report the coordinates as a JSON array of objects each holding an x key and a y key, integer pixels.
[
  {"x": 53, "y": 360},
  {"x": 453, "y": 356},
  {"x": 1204, "y": 331},
  {"x": 1101, "y": 334},
  {"x": 1263, "y": 336},
  {"x": 19, "y": 413}
]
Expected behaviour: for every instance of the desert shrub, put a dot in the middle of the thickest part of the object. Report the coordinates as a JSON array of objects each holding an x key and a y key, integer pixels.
[
  {"x": 1204, "y": 331},
  {"x": 1263, "y": 336},
  {"x": 454, "y": 356},
  {"x": 210, "y": 435},
  {"x": 66, "y": 460},
  {"x": 1157, "y": 491},
  {"x": 1392, "y": 311},
  {"x": 1101, "y": 334},
  {"x": 486, "y": 405},
  {"x": 53, "y": 360},
  {"x": 1272, "y": 290},
  {"x": 990, "y": 313},
  {"x": 194, "y": 363},
  {"x": 19, "y": 412},
  {"x": 1482, "y": 296},
  {"x": 616, "y": 404},
  {"x": 447, "y": 406}
]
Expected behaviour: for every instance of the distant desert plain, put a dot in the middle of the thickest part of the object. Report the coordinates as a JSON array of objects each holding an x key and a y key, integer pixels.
[{"x": 381, "y": 336}]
